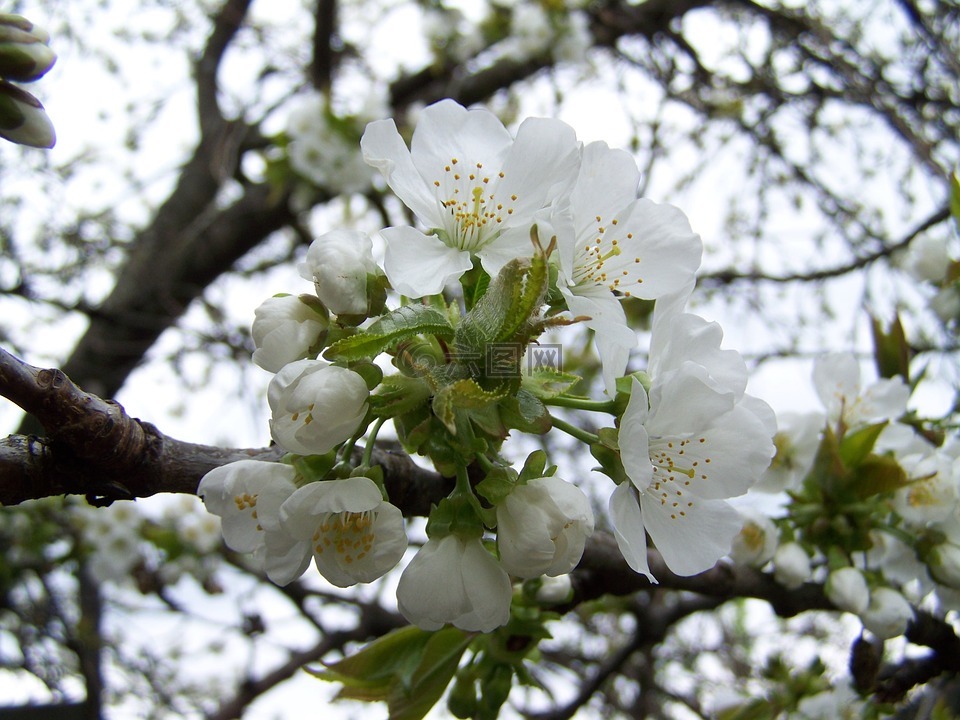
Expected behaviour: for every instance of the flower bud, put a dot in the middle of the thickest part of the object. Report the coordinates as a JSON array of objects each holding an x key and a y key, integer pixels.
[
  {"x": 791, "y": 565},
  {"x": 847, "y": 589},
  {"x": 315, "y": 406},
  {"x": 542, "y": 527},
  {"x": 553, "y": 590},
  {"x": 284, "y": 329},
  {"x": 24, "y": 53},
  {"x": 338, "y": 263},
  {"x": 888, "y": 614},
  {"x": 943, "y": 561},
  {"x": 23, "y": 119}
]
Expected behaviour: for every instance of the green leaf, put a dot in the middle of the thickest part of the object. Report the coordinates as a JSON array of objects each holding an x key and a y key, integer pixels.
[
  {"x": 856, "y": 446},
  {"x": 890, "y": 349},
  {"x": 399, "y": 394},
  {"x": 370, "y": 673},
  {"x": 879, "y": 474},
  {"x": 400, "y": 324},
  {"x": 498, "y": 483},
  {"x": 461, "y": 395},
  {"x": 534, "y": 466},
  {"x": 413, "y": 699},
  {"x": 546, "y": 384},
  {"x": 506, "y": 311},
  {"x": 526, "y": 413}
]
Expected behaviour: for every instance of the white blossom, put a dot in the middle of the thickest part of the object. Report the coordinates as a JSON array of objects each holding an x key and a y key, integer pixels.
[
  {"x": 928, "y": 259},
  {"x": 756, "y": 542},
  {"x": 542, "y": 527},
  {"x": 284, "y": 328},
  {"x": 685, "y": 452},
  {"x": 338, "y": 264},
  {"x": 315, "y": 406},
  {"x": 612, "y": 244},
  {"x": 247, "y": 495},
  {"x": 325, "y": 151},
  {"x": 455, "y": 580},
  {"x": 797, "y": 441},
  {"x": 473, "y": 187},
  {"x": 351, "y": 533},
  {"x": 836, "y": 377}
]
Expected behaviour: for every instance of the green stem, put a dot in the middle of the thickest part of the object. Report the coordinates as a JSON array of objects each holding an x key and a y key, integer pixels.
[
  {"x": 579, "y": 403},
  {"x": 579, "y": 433},
  {"x": 368, "y": 450},
  {"x": 463, "y": 483}
]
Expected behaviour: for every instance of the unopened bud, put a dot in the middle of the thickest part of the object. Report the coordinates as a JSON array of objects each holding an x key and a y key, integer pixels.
[
  {"x": 24, "y": 53},
  {"x": 554, "y": 590},
  {"x": 888, "y": 614},
  {"x": 847, "y": 589},
  {"x": 944, "y": 564},
  {"x": 791, "y": 566},
  {"x": 23, "y": 119}
]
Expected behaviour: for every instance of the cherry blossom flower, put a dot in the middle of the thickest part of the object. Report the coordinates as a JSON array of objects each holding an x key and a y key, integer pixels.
[
  {"x": 455, "y": 580},
  {"x": 684, "y": 452},
  {"x": 542, "y": 527},
  {"x": 351, "y": 533},
  {"x": 612, "y": 244},
  {"x": 247, "y": 495},
  {"x": 284, "y": 329},
  {"x": 474, "y": 188},
  {"x": 338, "y": 264},
  {"x": 836, "y": 377},
  {"x": 316, "y": 406}
]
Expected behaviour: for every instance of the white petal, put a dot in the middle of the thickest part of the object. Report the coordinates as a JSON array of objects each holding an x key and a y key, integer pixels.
[
  {"x": 430, "y": 592},
  {"x": 629, "y": 530},
  {"x": 685, "y": 403},
  {"x": 384, "y": 149},
  {"x": 691, "y": 538},
  {"x": 299, "y": 514},
  {"x": 488, "y": 587},
  {"x": 418, "y": 264},
  {"x": 541, "y": 164},
  {"x": 446, "y": 131},
  {"x": 836, "y": 378},
  {"x": 614, "y": 338},
  {"x": 607, "y": 183},
  {"x": 633, "y": 438},
  {"x": 286, "y": 558}
]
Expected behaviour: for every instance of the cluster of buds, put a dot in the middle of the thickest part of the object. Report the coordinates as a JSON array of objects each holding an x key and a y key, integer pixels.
[{"x": 25, "y": 56}]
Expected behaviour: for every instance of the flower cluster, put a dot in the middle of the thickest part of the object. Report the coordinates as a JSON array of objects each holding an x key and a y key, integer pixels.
[
  {"x": 873, "y": 503},
  {"x": 25, "y": 56},
  {"x": 516, "y": 234}
]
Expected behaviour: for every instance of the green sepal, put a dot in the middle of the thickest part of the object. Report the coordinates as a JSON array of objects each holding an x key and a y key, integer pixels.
[
  {"x": 498, "y": 484},
  {"x": 610, "y": 463},
  {"x": 405, "y": 322},
  {"x": 533, "y": 467},
  {"x": 458, "y": 514},
  {"x": 409, "y": 668},
  {"x": 526, "y": 413},
  {"x": 399, "y": 394},
  {"x": 371, "y": 373},
  {"x": 313, "y": 467},
  {"x": 547, "y": 384}
]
